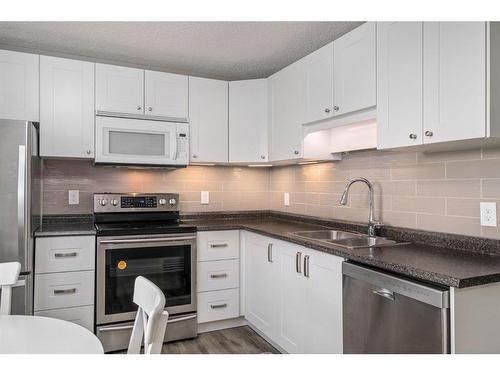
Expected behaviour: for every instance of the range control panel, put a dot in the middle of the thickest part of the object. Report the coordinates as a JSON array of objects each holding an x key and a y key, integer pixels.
[{"x": 116, "y": 202}]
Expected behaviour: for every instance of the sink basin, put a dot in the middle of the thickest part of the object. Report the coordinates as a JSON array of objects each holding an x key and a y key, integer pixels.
[
  {"x": 346, "y": 239},
  {"x": 326, "y": 235}
]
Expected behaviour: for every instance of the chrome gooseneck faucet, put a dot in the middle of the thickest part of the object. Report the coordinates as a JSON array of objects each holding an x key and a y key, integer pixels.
[{"x": 372, "y": 224}]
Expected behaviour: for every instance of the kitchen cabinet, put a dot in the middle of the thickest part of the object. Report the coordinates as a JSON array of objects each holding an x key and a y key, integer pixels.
[
  {"x": 208, "y": 115},
  {"x": 354, "y": 70},
  {"x": 19, "y": 86},
  {"x": 166, "y": 95},
  {"x": 119, "y": 89},
  {"x": 286, "y": 95},
  {"x": 318, "y": 84},
  {"x": 248, "y": 117},
  {"x": 66, "y": 108},
  {"x": 399, "y": 84},
  {"x": 454, "y": 79}
]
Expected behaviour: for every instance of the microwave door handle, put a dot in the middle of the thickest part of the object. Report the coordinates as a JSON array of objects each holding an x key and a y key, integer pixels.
[{"x": 174, "y": 144}]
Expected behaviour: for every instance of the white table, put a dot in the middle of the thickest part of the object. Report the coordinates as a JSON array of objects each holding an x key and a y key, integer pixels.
[{"x": 40, "y": 335}]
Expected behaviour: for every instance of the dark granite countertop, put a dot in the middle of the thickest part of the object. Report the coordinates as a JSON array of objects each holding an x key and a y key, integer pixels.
[{"x": 450, "y": 260}]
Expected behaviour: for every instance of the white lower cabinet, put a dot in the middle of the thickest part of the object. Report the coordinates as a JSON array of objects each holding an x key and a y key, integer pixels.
[
  {"x": 81, "y": 315},
  {"x": 294, "y": 295},
  {"x": 218, "y": 305}
]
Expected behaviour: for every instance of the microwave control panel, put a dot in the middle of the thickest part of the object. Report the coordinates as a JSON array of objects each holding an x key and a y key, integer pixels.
[{"x": 182, "y": 142}]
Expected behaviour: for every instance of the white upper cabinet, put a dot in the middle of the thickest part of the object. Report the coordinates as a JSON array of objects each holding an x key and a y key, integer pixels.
[
  {"x": 208, "y": 108},
  {"x": 66, "y": 108},
  {"x": 19, "y": 86},
  {"x": 166, "y": 95},
  {"x": 286, "y": 96},
  {"x": 318, "y": 74},
  {"x": 248, "y": 121},
  {"x": 354, "y": 70},
  {"x": 454, "y": 81},
  {"x": 399, "y": 84},
  {"x": 119, "y": 89}
]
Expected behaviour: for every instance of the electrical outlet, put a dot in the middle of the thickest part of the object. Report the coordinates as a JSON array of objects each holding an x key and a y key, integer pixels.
[
  {"x": 205, "y": 197},
  {"x": 73, "y": 196},
  {"x": 488, "y": 214},
  {"x": 286, "y": 199}
]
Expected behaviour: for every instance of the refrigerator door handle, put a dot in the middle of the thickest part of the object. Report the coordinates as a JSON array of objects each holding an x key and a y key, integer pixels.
[{"x": 21, "y": 205}]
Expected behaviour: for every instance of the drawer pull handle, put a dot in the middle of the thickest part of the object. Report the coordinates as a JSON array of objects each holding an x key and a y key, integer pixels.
[
  {"x": 221, "y": 306},
  {"x": 218, "y": 245},
  {"x": 306, "y": 266},
  {"x": 65, "y": 255},
  {"x": 218, "y": 275},
  {"x": 270, "y": 253},
  {"x": 64, "y": 291}
]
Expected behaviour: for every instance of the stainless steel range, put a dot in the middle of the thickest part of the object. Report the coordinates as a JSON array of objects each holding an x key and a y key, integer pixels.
[{"x": 140, "y": 235}]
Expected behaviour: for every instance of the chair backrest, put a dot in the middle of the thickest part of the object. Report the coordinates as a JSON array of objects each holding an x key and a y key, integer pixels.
[
  {"x": 9, "y": 273},
  {"x": 151, "y": 320}
]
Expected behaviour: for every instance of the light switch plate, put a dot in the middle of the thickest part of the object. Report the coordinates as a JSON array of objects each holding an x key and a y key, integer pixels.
[
  {"x": 488, "y": 214},
  {"x": 73, "y": 196},
  {"x": 286, "y": 199},
  {"x": 205, "y": 197}
]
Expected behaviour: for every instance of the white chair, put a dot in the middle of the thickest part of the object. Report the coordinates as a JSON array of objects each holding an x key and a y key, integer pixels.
[
  {"x": 151, "y": 320},
  {"x": 9, "y": 273}
]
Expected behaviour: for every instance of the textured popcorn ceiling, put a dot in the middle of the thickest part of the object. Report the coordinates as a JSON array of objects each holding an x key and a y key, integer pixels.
[{"x": 222, "y": 50}]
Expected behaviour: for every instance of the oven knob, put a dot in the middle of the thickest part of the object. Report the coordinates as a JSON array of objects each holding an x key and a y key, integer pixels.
[
  {"x": 162, "y": 201},
  {"x": 104, "y": 202},
  {"x": 172, "y": 201},
  {"x": 114, "y": 202}
]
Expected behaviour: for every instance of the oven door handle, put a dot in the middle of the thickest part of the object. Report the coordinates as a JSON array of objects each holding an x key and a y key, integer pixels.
[{"x": 148, "y": 240}]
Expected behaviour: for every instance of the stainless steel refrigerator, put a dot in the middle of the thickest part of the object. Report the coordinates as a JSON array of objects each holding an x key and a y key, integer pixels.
[{"x": 20, "y": 208}]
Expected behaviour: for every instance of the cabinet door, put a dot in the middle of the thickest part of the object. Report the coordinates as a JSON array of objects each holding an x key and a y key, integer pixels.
[
  {"x": 248, "y": 121},
  {"x": 19, "y": 92},
  {"x": 454, "y": 81},
  {"x": 292, "y": 321},
  {"x": 323, "y": 304},
  {"x": 66, "y": 108},
  {"x": 399, "y": 84},
  {"x": 287, "y": 103},
  {"x": 318, "y": 69},
  {"x": 119, "y": 89},
  {"x": 261, "y": 275},
  {"x": 166, "y": 95},
  {"x": 208, "y": 107},
  {"x": 355, "y": 73}
]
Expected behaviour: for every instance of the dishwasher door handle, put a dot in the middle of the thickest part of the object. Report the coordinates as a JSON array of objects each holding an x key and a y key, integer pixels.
[{"x": 386, "y": 293}]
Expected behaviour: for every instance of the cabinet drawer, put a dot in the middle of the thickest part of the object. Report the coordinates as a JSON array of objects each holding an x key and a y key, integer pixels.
[
  {"x": 222, "y": 304},
  {"x": 218, "y": 245},
  {"x": 82, "y": 315},
  {"x": 217, "y": 275},
  {"x": 62, "y": 254},
  {"x": 65, "y": 289}
]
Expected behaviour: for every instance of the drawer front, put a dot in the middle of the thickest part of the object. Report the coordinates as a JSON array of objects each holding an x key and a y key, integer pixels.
[
  {"x": 218, "y": 305},
  {"x": 65, "y": 289},
  {"x": 62, "y": 254},
  {"x": 218, "y": 245},
  {"x": 217, "y": 275},
  {"x": 82, "y": 315}
]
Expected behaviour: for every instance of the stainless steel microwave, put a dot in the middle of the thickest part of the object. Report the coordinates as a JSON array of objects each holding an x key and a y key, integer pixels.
[{"x": 141, "y": 142}]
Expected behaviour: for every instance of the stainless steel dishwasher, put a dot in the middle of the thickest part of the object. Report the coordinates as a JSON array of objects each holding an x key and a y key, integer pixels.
[{"x": 383, "y": 313}]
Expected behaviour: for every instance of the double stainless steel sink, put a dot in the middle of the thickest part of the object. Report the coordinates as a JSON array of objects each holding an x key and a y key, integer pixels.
[{"x": 347, "y": 240}]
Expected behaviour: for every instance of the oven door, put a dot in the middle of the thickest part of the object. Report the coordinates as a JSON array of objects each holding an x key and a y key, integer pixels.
[
  {"x": 169, "y": 261},
  {"x": 133, "y": 141}
]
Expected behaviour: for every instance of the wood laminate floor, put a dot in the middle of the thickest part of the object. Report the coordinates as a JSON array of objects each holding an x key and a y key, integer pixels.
[{"x": 239, "y": 340}]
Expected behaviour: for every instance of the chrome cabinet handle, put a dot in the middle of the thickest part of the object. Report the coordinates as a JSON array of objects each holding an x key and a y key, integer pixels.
[
  {"x": 139, "y": 107},
  {"x": 335, "y": 108},
  {"x": 195, "y": 156},
  {"x": 413, "y": 136},
  {"x": 384, "y": 293},
  {"x": 296, "y": 152},
  {"x": 218, "y": 245},
  {"x": 270, "y": 253},
  {"x": 327, "y": 110},
  {"x": 64, "y": 291},
  {"x": 306, "y": 266},
  {"x": 89, "y": 152},
  {"x": 220, "y": 306},
  {"x": 150, "y": 109},
  {"x": 218, "y": 275},
  {"x": 298, "y": 261},
  {"x": 428, "y": 133},
  {"x": 65, "y": 255},
  {"x": 262, "y": 157}
]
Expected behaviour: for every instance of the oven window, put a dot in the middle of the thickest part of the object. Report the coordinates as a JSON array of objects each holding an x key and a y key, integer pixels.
[
  {"x": 132, "y": 143},
  {"x": 169, "y": 267}
]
